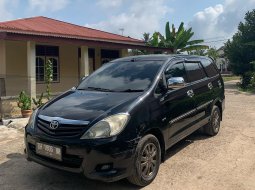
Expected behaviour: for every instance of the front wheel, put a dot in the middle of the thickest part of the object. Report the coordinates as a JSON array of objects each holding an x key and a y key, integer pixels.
[{"x": 147, "y": 161}]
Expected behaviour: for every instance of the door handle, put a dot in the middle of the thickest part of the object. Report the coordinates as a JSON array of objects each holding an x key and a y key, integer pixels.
[
  {"x": 190, "y": 93},
  {"x": 210, "y": 86}
]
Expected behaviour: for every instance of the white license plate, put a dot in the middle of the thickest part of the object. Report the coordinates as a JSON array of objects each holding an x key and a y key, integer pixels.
[{"x": 50, "y": 151}]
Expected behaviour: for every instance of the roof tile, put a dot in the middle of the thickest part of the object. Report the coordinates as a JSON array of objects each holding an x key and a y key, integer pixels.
[{"x": 43, "y": 25}]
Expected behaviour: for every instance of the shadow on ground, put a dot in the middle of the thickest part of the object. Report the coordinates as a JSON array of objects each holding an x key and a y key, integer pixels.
[{"x": 18, "y": 173}]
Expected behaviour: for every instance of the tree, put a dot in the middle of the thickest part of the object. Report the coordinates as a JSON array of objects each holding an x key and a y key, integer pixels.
[
  {"x": 213, "y": 53},
  {"x": 179, "y": 40},
  {"x": 146, "y": 37},
  {"x": 240, "y": 51}
]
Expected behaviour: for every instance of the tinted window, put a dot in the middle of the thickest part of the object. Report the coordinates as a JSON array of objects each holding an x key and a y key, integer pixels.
[
  {"x": 123, "y": 76},
  {"x": 194, "y": 71},
  {"x": 176, "y": 70},
  {"x": 209, "y": 67}
]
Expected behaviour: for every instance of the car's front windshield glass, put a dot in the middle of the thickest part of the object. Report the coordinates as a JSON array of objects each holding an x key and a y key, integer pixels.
[{"x": 122, "y": 76}]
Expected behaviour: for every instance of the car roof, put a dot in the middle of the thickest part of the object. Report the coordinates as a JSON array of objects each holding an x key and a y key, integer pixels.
[{"x": 156, "y": 57}]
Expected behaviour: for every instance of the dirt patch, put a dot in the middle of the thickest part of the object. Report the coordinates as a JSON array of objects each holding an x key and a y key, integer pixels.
[{"x": 226, "y": 161}]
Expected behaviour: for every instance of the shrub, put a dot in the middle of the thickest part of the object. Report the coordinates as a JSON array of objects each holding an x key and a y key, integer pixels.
[{"x": 24, "y": 101}]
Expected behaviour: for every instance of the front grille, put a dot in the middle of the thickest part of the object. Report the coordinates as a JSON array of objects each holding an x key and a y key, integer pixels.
[
  {"x": 63, "y": 130},
  {"x": 68, "y": 160}
]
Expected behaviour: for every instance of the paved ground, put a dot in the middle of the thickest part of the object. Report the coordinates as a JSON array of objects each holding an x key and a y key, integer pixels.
[{"x": 226, "y": 161}]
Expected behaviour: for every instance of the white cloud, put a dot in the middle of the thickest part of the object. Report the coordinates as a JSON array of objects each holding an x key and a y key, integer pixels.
[
  {"x": 221, "y": 21},
  {"x": 109, "y": 4},
  {"x": 47, "y": 5},
  {"x": 5, "y": 9},
  {"x": 141, "y": 16}
]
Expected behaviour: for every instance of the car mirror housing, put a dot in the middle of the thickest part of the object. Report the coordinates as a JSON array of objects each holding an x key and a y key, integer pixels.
[{"x": 175, "y": 83}]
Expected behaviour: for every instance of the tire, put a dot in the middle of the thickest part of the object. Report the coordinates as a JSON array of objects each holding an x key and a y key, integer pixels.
[
  {"x": 213, "y": 126},
  {"x": 147, "y": 161}
]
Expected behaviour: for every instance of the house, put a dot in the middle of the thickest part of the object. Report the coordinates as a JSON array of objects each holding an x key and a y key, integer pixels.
[
  {"x": 222, "y": 62},
  {"x": 75, "y": 51}
]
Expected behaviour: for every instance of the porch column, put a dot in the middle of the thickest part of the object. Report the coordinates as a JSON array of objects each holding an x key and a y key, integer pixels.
[
  {"x": 2, "y": 68},
  {"x": 31, "y": 78},
  {"x": 98, "y": 57},
  {"x": 84, "y": 70},
  {"x": 123, "y": 52}
]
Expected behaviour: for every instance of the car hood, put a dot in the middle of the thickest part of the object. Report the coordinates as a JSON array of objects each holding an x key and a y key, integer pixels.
[{"x": 87, "y": 105}]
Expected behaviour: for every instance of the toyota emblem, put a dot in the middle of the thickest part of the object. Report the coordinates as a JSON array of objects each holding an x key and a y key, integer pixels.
[{"x": 54, "y": 124}]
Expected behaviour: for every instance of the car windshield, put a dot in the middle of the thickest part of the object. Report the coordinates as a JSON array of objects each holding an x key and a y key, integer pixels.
[{"x": 122, "y": 76}]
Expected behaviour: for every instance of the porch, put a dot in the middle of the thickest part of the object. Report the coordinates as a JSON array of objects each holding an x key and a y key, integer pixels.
[{"x": 23, "y": 65}]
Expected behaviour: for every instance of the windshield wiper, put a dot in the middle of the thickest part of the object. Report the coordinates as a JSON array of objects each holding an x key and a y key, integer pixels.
[
  {"x": 132, "y": 90},
  {"x": 100, "y": 89}
]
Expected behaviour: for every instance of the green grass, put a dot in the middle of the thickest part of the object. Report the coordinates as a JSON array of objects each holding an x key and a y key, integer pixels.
[
  {"x": 229, "y": 78},
  {"x": 248, "y": 89}
]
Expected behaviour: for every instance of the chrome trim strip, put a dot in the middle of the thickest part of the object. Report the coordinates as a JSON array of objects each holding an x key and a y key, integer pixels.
[
  {"x": 204, "y": 105},
  {"x": 189, "y": 112},
  {"x": 63, "y": 120},
  {"x": 182, "y": 116}
]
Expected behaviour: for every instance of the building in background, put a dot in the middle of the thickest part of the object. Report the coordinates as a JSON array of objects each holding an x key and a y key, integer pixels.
[
  {"x": 222, "y": 62},
  {"x": 75, "y": 51}
]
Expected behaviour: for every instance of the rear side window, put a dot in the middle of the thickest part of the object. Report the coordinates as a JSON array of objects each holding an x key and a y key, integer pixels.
[
  {"x": 209, "y": 67},
  {"x": 194, "y": 71}
]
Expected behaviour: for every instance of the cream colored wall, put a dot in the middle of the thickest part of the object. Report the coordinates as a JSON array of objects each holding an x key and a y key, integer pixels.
[
  {"x": 16, "y": 67},
  {"x": 16, "y": 70},
  {"x": 68, "y": 64},
  {"x": 123, "y": 52},
  {"x": 2, "y": 59}
]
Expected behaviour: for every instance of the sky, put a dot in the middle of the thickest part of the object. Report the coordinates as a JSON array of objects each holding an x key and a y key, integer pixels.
[{"x": 215, "y": 21}]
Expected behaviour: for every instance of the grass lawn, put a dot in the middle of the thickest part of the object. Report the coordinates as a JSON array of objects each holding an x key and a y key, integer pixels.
[{"x": 229, "y": 78}]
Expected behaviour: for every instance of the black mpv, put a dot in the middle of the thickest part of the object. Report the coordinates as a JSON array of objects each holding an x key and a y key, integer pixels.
[{"x": 119, "y": 121}]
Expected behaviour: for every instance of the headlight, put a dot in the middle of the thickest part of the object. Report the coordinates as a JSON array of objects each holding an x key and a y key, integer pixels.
[
  {"x": 107, "y": 127},
  {"x": 32, "y": 119}
]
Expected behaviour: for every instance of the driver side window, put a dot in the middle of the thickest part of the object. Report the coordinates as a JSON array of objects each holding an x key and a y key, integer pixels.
[
  {"x": 176, "y": 70},
  {"x": 176, "y": 76}
]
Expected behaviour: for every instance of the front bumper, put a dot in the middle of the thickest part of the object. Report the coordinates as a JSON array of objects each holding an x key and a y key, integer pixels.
[{"x": 86, "y": 159}]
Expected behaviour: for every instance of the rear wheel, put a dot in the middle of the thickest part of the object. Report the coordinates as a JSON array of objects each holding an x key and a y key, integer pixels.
[
  {"x": 147, "y": 161},
  {"x": 213, "y": 126}
]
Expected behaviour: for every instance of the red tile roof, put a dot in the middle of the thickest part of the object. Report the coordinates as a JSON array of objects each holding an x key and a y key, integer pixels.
[{"x": 51, "y": 27}]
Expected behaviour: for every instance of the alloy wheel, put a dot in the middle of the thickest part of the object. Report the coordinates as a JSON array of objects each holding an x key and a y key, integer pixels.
[
  {"x": 149, "y": 160},
  {"x": 216, "y": 121}
]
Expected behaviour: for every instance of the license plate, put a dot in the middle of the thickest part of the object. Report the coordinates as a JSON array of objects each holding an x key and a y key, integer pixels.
[{"x": 50, "y": 151}]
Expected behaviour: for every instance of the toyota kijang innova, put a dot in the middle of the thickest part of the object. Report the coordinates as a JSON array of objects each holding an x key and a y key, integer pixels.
[{"x": 119, "y": 121}]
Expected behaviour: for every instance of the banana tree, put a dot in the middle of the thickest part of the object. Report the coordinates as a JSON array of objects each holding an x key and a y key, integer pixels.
[{"x": 180, "y": 40}]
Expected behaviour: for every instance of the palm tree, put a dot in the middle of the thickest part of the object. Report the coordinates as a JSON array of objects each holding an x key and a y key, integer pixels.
[{"x": 180, "y": 40}]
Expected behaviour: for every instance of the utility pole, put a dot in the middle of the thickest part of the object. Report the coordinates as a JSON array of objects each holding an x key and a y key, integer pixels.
[{"x": 122, "y": 31}]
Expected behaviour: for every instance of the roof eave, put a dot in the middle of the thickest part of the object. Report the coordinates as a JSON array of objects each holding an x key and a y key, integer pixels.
[{"x": 17, "y": 35}]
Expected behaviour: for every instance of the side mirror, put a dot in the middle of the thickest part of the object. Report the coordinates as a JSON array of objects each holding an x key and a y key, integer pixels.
[{"x": 175, "y": 83}]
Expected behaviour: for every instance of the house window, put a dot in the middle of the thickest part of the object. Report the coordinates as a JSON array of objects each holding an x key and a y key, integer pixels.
[{"x": 43, "y": 55}]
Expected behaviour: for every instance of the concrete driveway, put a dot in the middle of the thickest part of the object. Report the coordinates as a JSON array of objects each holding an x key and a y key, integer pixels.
[{"x": 226, "y": 161}]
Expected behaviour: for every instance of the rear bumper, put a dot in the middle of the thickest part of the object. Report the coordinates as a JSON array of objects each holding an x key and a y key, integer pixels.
[{"x": 99, "y": 163}]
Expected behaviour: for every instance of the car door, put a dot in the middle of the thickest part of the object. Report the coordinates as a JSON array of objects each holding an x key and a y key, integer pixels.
[
  {"x": 201, "y": 85},
  {"x": 177, "y": 103}
]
